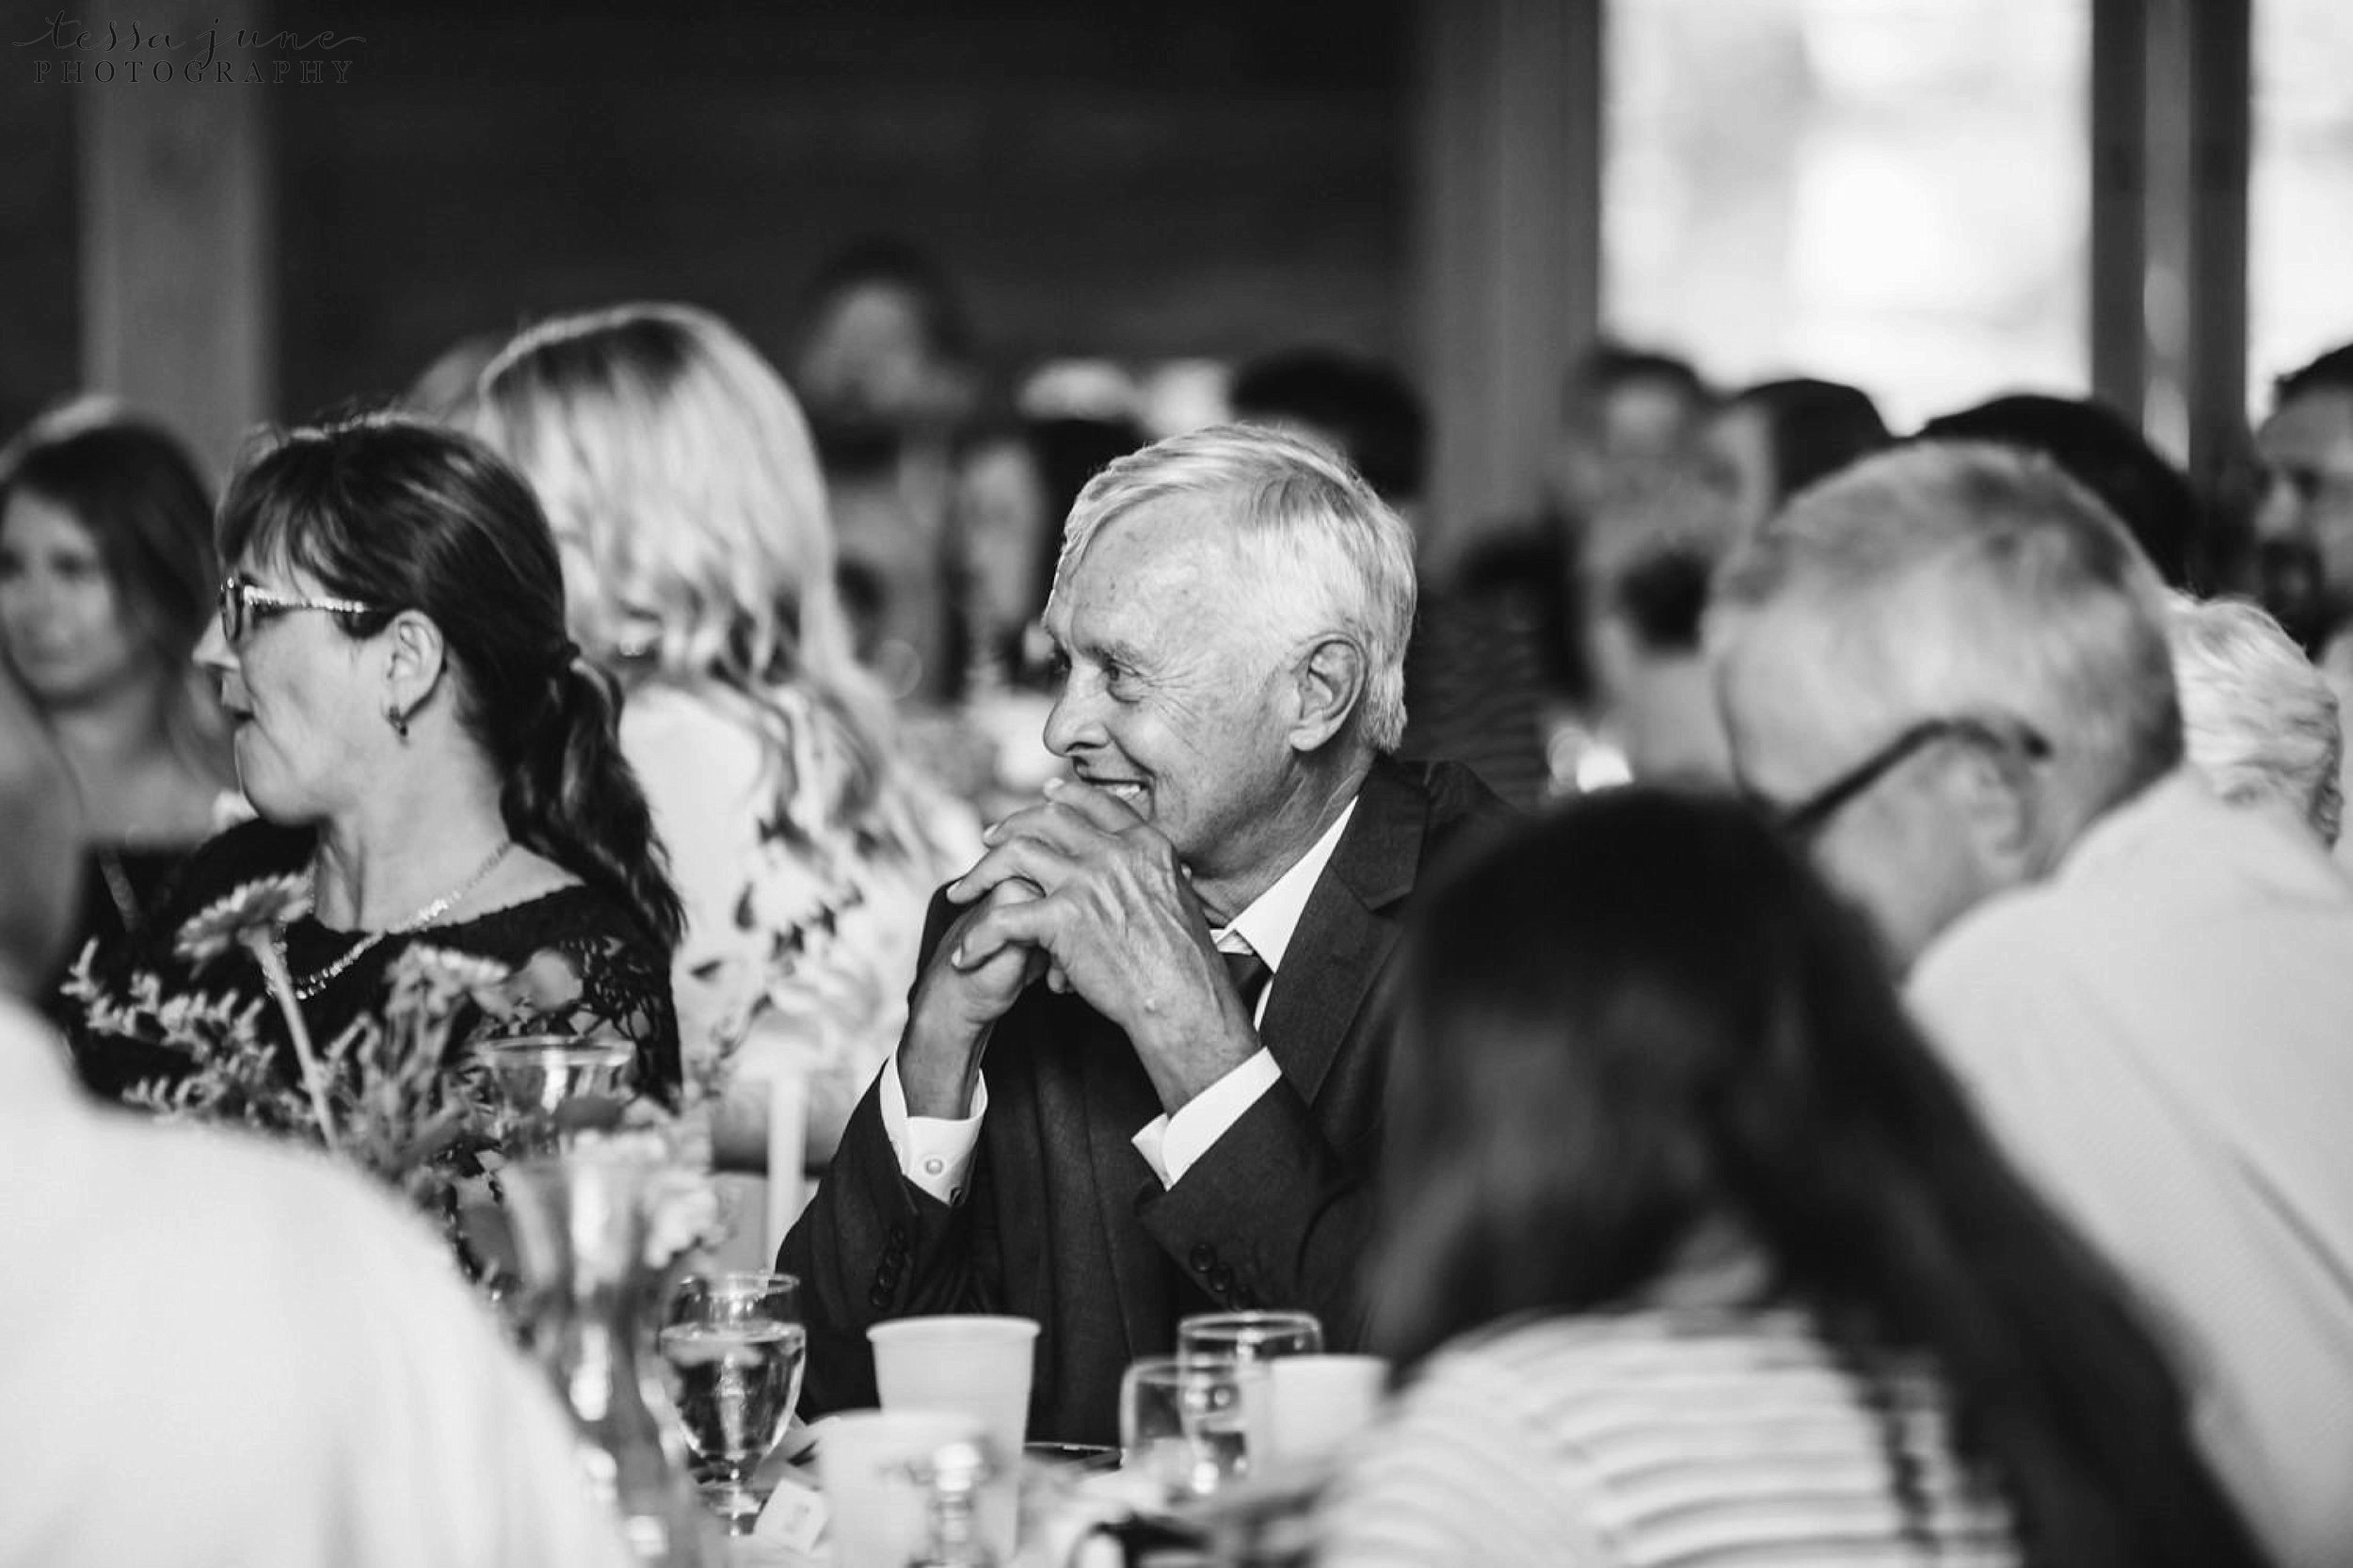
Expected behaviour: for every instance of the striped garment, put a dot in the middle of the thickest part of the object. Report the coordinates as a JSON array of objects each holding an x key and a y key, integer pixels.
[{"x": 1664, "y": 1438}]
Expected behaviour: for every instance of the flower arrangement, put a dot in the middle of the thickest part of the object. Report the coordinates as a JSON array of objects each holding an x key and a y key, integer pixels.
[{"x": 397, "y": 1093}]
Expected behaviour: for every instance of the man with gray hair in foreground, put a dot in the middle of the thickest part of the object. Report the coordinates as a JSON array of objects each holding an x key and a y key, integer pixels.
[
  {"x": 1947, "y": 669},
  {"x": 1144, "y": 1061},
  {"x": 217, "y": 1351}
]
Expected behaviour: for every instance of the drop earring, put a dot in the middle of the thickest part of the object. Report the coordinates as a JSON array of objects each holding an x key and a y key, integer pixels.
[{"x": 399, "y": 721}]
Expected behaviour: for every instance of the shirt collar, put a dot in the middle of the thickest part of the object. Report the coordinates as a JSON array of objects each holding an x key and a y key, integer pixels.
[{"x": 1272, "y": 917}]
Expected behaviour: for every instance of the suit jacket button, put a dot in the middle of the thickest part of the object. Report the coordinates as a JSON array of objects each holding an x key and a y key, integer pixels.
[
  {"x": 878, "y": 1297},
  {"x": 1204, "y": 1257},
  {"x": 899, "y": 1235},
  {"x": 1223, "y": 1277}
]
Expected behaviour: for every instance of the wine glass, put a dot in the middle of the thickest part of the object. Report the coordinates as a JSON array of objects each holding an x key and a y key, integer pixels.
[
  {"x": 734, "y": 1346},
  {"x": 1250, "y": 1336},
  {"x": 1180, "y": 1423},
  {"x": 541, "y": 1079},
  {"x": 1251, "y": 1339}
]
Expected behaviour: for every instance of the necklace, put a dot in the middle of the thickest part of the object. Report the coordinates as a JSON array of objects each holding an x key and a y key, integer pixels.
[{"x": 306, "y": 986}]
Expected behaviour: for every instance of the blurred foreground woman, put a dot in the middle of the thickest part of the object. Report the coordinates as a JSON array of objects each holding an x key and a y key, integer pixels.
[{"x": 1694, "y": 1250}]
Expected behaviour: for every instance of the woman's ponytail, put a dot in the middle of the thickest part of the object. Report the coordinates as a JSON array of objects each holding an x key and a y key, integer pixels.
[{"x": 572, "y": 797}]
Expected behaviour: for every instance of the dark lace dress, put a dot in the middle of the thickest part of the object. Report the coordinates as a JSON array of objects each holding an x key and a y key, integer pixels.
[
  {"x": 120, "y": 883},
  {"x": 614, "y": 977}
]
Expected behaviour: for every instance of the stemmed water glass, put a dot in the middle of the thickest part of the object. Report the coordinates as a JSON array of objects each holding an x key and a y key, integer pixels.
[
  {"x": 1250, "y": 1339},
  {"x": 542, "y": 1081},
  {"x": 734, "y": 1346},
  {"x": 1180, "y": 1423}
]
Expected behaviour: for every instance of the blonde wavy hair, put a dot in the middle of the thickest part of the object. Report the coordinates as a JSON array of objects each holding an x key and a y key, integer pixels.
[{"x": 672, "y": 458}]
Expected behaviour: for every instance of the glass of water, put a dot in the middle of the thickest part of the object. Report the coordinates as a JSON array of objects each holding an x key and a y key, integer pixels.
[
  {"x": 734, "y": 1346},
  {"x": 543, "y": 1080},
  {"x": 1180, "y": 1423},
  {"x": 1250, "y": 1336},
  {"x": 1251, "y": 1339}
]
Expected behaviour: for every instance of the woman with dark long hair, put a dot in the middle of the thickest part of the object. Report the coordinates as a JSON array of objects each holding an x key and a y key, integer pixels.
[
  {"x": 1693, "y": 1246},
  {"x": 433, "y": 762},
  {"x": 106, "y": 581}
]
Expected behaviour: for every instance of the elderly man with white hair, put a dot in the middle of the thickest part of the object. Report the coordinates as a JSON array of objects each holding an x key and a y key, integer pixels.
[
  {"x": 1142, "y": 1066},
  {"x": 1948, "y": 668},
  {"x": 2259, "y": 720}
]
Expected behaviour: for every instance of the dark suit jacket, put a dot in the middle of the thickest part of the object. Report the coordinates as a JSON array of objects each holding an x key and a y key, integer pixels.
[{"x": 1064, "y": 1222}]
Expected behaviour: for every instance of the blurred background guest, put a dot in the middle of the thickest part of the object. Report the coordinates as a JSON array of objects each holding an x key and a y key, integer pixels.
[
  {"x": 1625, "y": 480},
  {"x": 1016, "y": 482},
  {"x": 2304, "y": 521},
  {"x": 885, "y": 368},
  {"x": 1653, "y": 700},
  {"x": 2099, "y": 449},
  {"x": 681, "y": 477},
  {"x": 1774, "y": 439},
  {"x": 430, "y": 759},
  {"x": 300, "y": 1376},
  {"x": 2258, "y": 719},
  {"x": 1685, "y": 1224},
  {"x": 106, "y": 582},
  {"x": 1359, "y": 407}
]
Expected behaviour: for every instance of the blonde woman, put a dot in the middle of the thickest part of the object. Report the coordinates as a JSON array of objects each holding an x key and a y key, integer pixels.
[{"x": 680, "y": 479}]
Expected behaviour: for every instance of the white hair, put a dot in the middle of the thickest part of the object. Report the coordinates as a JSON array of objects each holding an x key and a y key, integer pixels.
[
  {"x": 1331, "y": 556},
  {"x": 2259, "y": 721},
  {"x": 1956, "y": 578}
]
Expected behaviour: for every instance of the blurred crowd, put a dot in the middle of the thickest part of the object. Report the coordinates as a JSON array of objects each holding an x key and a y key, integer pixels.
[{"x": 1866, "y": 1082}]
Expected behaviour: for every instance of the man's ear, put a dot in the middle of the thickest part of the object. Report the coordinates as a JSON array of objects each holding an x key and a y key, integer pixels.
[
  {"x": 418, "y": 658},
  {"x": 2002, "y": 808},
  {"x": 1328, "y": 685}
]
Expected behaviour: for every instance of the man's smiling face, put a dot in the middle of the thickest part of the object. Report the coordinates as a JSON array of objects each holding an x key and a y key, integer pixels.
[{"x": 1166, "y": 701}]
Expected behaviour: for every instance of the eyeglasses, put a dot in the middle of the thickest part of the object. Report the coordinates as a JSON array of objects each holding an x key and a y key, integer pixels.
[
  {"x": 1809, "y": 816},
  {"x": 242, "y": 603}
]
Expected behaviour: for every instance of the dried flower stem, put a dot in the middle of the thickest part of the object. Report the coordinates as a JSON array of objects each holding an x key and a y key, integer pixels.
[{"x": 273, "y": 964}]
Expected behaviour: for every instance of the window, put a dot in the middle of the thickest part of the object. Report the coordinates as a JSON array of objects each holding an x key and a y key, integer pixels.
[
  {"x": 1887, "y": 192},
  {"x": 2299, "y": 198}
]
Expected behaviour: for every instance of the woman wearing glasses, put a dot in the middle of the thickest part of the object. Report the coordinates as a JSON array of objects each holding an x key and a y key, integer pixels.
[
  {"x": 106, "y": 584},
  {"x": 433, "y": 765},
  {"x": 1694, "y": 1250}
]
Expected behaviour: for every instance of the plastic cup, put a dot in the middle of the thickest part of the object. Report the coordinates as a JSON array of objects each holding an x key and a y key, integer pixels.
[
  {"x": 974, "y": 1365},
  {"x": 1315, "y": 1403},
  {"x": 880, "y": 1516}
]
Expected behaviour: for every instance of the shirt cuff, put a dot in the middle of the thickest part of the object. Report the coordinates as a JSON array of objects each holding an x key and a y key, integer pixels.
[
  {"x": 934, "y": 1152},
  {"x": 1174, "y": 1144}
]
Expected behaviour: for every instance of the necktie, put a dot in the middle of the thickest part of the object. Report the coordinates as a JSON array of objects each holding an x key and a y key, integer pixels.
[{"x": 1250, "y": 975}]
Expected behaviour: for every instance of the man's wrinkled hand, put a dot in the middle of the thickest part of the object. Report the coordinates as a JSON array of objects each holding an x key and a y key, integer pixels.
[
  {"x": 968, "y": 984},
  {"x": 1119, "y": 924}
]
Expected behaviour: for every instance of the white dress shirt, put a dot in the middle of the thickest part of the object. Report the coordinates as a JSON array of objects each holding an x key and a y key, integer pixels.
[
  {"x": 936, "y": 1153},
  {"x": 216, "y": 1349},
  {"x": 2162, "y": 1034}
]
